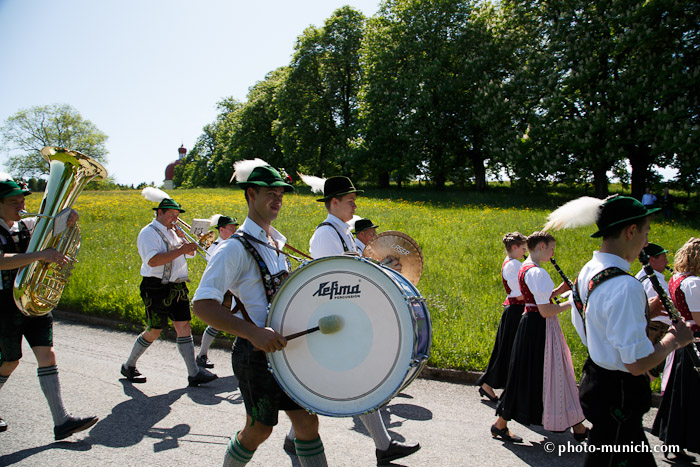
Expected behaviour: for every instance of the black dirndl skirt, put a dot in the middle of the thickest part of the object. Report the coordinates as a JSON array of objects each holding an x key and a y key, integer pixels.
[
  {"x": 677, "y": 421},
  {"x": 522, "y": 399},
  {"x": 496, "y": 373}
]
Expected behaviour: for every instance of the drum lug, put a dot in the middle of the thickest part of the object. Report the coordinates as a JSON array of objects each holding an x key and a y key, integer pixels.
[{"x": 418, "y": 361}]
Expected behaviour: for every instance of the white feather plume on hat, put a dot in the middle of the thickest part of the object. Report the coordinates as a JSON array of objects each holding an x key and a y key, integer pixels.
[
  {"x": 579, "y": 212},
  {"x": 154, "y": 194},
  {"x": 214, "y": 220},
  {"x": 5, "y": 177},
  {"x": 243, "y": 169},
  {"x": 316, "y": 183}
]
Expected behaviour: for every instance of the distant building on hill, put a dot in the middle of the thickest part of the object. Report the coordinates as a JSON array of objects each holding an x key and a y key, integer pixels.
[{"x": 170, "y": 169}]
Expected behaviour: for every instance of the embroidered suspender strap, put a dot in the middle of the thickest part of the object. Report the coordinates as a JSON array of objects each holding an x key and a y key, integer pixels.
[
  {"x": 342, "y": 240},
  {"x": 168, "y": 267},
  {"x": 270, "y": 283}
]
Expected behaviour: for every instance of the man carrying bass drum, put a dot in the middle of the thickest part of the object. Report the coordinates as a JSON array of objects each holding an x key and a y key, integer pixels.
[{"x": 248, "y": 265}]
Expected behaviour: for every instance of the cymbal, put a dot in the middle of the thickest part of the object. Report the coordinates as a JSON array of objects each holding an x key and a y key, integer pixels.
[{"x": 400, "y": 246}]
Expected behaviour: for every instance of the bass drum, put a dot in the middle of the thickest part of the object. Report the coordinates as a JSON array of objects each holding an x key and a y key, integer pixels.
[{"x": 381, "y": 345}]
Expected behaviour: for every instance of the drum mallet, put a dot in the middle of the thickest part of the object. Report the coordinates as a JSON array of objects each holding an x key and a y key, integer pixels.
[{"x": 327, "y": 325}]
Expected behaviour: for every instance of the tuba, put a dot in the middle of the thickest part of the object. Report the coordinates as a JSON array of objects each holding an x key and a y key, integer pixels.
[{"x": 39, "y": 285}]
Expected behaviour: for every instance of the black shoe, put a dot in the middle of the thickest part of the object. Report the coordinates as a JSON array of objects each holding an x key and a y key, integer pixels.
[
  {"x": 580, "y": 437},
  {"x": 132, "y": 374},
  {"x": 204, "y": 362},
  {"x": 289, "y": 446},
  {"x": 483, "y": 392},
  {"x": 395, "y": 451},
  {"x": 505, "y": 434},
  {"x": 681, "y": 455},
  {"x": 73, "y": 425},
  {"x": 3, "y": 425},
  {"x": 204, "y": 376}
]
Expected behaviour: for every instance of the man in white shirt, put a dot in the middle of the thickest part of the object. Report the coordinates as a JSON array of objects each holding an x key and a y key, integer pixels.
[
  {"x": 15, "y": 235},
  {"x": 251, "y": 267},
  {"x": 614, "y": 390},
  {"x": 164, "y": 292},
  {"x": 365, "y": 231},
  {"x": 226, "y": 226},
  {"x": 333, "y": 237}
]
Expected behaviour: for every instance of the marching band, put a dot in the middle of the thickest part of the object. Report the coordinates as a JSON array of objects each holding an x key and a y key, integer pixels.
[{"x": 635, "y": 329}]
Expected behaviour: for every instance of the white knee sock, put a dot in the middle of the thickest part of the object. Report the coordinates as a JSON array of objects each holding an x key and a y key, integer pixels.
[
  {"x": 139, "y": 348},
  {"x": 186, "y": 347},
  {"x": 236, "y": 455},
  {"x": 311, "y": 453},
  {"x": 375, "y": 425},
  {"x": 207, "y": 338},
  {"x": 51, "y": 386}
]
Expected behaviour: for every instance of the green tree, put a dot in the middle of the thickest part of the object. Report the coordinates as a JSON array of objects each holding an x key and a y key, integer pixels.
[
  {"x": 29, "y": 130},
  {"x": 318, "y": 103},
  {"x": 433, "y": 93}
]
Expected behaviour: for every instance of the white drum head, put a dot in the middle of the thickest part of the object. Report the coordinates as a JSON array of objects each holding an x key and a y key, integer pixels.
[{"x": 361, "y": 366}]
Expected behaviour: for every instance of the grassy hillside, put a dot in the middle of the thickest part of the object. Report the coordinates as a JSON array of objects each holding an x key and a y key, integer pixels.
[{"x": 459, "y": 233}]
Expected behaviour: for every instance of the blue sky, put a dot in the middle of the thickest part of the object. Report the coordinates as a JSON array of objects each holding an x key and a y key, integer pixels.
[{"x": 148, "y": 73}]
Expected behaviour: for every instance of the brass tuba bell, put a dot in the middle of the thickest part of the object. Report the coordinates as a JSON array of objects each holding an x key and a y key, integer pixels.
[{"x": 38, "y": 286}]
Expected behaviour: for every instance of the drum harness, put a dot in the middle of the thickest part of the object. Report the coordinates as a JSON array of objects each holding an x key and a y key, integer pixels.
[
  {"x": 342, "y": 240},
  {"x": 270, "y": 282}
]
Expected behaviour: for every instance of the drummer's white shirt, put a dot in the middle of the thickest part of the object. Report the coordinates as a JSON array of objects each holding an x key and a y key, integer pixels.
[
  {"x": 360, "y": 246},
  {"x": 149, "y": 244},
  {"x": 615, "y": 315},
  {"x": 325, "y": 241},
  {"x": 234, "y": 268},
  {"x": 651, "y": 293}
]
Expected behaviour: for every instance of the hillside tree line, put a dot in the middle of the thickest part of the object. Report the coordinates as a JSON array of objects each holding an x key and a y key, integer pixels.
[{"x": 455, "y": 91}]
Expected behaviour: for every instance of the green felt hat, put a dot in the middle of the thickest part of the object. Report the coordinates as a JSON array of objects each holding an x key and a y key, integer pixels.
[
  {"x": 168, "y": 203},
  {"x": 653, "y": 249},
  {"x": 225, "y": 220},
  {"x": 266, "y": 176},
  {"x": 337, "y": 186},
  {"x": 363, "y": 224},
  {"x": 11, "y": 188},
  {"x": 618, "y": 211}
]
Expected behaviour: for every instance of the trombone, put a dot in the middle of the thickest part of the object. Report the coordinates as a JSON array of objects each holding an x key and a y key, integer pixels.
[{"x": 204, "y": 241}]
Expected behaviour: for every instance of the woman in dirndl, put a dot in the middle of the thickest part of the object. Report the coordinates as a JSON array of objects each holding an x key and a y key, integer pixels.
[
  {"x": 541, "y": 387},
  {"x": 676, "y": 422}
]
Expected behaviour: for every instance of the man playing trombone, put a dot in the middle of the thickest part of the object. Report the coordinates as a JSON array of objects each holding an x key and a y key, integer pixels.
[{"x": 163, "y": 287}]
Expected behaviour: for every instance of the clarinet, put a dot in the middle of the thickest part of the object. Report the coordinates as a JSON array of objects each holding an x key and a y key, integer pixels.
[
  {"x": 668, "y": 304},
  {"x": 574, "y": 290}
]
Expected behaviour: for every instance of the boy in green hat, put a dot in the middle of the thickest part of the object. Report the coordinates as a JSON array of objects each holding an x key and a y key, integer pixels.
[
  {"x": 15, "y": 234},
  {"x": 614, "y": 391},
  {"x": 226, "y": 226},
  {"x": 240, "y": 265},
  {"x": 163, "y": 288}
]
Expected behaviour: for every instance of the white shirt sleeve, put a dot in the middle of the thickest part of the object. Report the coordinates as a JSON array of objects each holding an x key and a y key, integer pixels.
[
  {"x": 691, "y": 289},
  {"x": 325, "y": 242},
  {"x": 540, "y": 284},
  {"x": 221, "y": 273},
  {"x": 149, "y": 244}
]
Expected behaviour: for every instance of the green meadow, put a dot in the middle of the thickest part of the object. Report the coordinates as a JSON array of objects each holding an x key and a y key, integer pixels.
[{"x": 459, "y": 233}]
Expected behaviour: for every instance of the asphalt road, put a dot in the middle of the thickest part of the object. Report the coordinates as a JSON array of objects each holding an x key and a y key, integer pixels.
[{"x": 163, "y": 422}]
